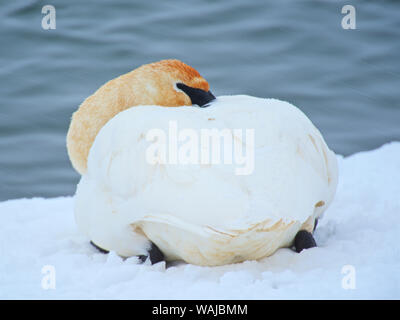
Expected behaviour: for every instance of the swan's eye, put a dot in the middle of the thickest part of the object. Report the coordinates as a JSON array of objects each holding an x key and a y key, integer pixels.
[{"x": 197, "y": 96}]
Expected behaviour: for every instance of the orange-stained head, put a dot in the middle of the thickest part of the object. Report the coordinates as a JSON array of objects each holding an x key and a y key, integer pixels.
[
  {"x": 173, "y": 83},
  {"x": 168, "y": 83}
]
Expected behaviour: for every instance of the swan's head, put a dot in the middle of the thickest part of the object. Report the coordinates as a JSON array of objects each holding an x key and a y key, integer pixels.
[
  {"x": 173, "y": 83},
  {"x": 167, "y": 83}
]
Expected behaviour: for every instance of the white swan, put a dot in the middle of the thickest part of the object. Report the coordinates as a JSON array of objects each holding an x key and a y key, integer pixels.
[{"x": 205, "y": 214}]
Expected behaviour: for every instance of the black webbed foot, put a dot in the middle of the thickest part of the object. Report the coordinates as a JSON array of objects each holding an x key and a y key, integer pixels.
[
  {"x": 154, "y": 253},
  {"x": 304, "y": 240}
]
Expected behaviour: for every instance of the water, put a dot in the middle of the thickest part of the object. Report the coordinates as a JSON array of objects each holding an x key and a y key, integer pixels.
[{"x": 346, "y": 81}]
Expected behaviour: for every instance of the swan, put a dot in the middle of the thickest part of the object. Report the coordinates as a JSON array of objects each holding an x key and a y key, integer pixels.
[{"x": 152, "y": 185}]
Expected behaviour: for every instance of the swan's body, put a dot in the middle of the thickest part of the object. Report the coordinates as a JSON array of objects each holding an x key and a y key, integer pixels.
[{"x": 206, "y": 214}]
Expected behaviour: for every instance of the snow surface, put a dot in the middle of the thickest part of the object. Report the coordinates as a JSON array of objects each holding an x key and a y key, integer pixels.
[{"x": 361, "y": 229}]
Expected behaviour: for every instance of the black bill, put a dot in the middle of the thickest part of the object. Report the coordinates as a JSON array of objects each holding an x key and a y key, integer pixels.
[{"x": 197, "y": 96}]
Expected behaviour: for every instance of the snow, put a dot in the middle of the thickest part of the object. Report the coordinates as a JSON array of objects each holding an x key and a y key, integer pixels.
[{"x": 359, "y": 232}]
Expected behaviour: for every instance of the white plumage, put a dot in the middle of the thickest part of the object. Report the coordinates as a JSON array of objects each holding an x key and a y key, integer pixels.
[{"x": 206, "y": 214}]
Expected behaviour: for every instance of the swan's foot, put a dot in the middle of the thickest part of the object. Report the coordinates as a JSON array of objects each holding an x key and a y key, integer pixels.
[
  {"x": 304, "y": 240},
  {"x": 154, "y": 253}
]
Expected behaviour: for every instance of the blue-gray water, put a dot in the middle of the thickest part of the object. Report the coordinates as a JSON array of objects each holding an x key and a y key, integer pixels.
[{"x": 346, "y": 81}]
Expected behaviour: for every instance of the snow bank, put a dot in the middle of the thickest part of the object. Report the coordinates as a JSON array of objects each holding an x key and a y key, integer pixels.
[{"x": 359, "y": 235}]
